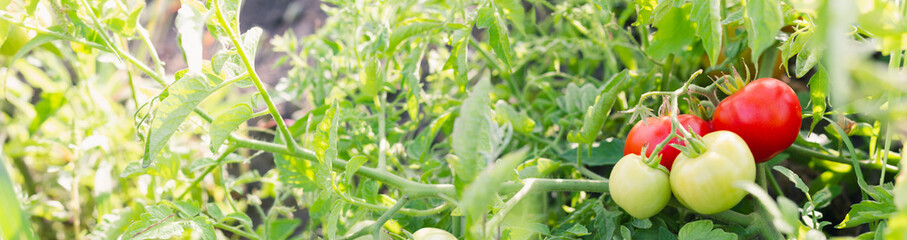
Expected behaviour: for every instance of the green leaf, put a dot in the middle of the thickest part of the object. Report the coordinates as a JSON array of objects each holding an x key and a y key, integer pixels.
[
  {"x": 330, "y": 223},
  {"x": 459, "y": 57},
  {"x": 48, "y": 106},
  {"x": 596, "y": 114},
  {"x": 410, "y": 28},
  {"x": 654, "y": 233},
  {"x": 865, "y": 212},
  {"x": 202, "y": 225},
  {"x": 15, "y": 223},
  {"x": 675, "y": 33},
  {"x": 500, "y": 42},
  {"x": 214, "y": 211},
  {"x": 132, "y": 169},
  {"x": 158, "y": 222},
  {"x": 793, "y": 178},
  {"x": 190, "y": 21},
  {"x": 577, "y": 99},
  {"x": 578, "y": 230},
  {"x": 644, "y": 10},
  {"x": 702, "y": 229},
  {"x": 38, "y": 40},
  {"x": 478, "y": 196},
  {"x": 190, "y": 209},
  {"x": 762, "y": 20},
  {"x": 184, "y": 95},
  {"x": 295, "y": 171},
  {"x": 226, "y": 122},
  {"x": 521, "y": 122},
  {"x": 412, "y": 70},
  {"x": 608, "y": 152},
  {"x": 250, "y": 44},
  {"x": 472, "y": 134},
  {"x": 281, "y": 229},
  {"x": 352, "y": 166},
  {"x": 818, "y": 92},
  {"x": 707, "y": 16}
]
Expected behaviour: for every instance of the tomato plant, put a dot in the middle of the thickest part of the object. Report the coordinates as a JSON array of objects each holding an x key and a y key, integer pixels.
[
  {"x": 471, "y": 119},
  {"x": 654, "y": 130},
  {"x": 765, "y": 113}
]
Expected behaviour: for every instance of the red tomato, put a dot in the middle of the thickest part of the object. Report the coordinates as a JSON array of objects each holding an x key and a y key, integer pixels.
[
  {"x": 765, "y": 113},
  {"x": 656, "y": 130}
]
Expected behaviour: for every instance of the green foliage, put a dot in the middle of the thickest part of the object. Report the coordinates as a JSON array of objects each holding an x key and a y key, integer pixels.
[{"x": 487, "y": 119}]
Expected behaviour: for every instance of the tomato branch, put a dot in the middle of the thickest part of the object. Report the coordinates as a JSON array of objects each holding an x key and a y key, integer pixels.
[{"x": 282, "y": 127}]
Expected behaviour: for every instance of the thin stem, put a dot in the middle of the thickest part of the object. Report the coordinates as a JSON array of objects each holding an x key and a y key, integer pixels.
[
  {"x": 376, "y": 232},
  {"x": 839, "y": 159},
  {"x": 236, "y": 231},
  {"x": 509, "y": 205},
  {"x": 288, "y": 137},
  {"x": 198, "y": 179}
]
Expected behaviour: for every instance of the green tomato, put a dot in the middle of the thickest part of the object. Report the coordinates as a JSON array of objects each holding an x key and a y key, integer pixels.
[
  {"x": 433, "y": 234},
  {"x": 705, "y": 183},
  {"x": 639, "y": 189}
]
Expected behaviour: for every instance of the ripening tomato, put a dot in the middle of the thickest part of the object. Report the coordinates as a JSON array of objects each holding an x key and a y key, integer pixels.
[
  {"x": 640, "y": 190},
  {"x": 433, "y": 234},
  {"x": 705, "y": 183},
  {"x": 656, "y": 130},
  {"x": 765, "y": 113}
]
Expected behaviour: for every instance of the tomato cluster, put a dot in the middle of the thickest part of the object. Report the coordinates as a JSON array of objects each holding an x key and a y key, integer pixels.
[{"x": 751, "y": 126}]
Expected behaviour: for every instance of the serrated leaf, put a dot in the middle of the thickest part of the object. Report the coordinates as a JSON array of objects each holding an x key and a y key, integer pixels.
[
  {"x": 707, "y": 16},
  {"x": 702, "y": 229},
  {"x": 158, "y": 222},
  {"x": 595, "y": 115},
  {"x": 250, "y": 44},
  {"x": 499, "y": 40},
  {"x": 608, "y": 152},
  {"x": 190, "y": 21},
  {"x": 132, "y": 169},
  {"x": 200, "y": 224},
  {"x": 762, "y": 20},
  {"x": 226, "y": 122},
  {"x": 325, "y": 145},
  {"x": 675, "y": 33},
  {"x": 188, "y": 208},
  {"x": 184, "y": 95},
  {"x": 641, "y": 223},
  {"x": 818, "y": 93},
  {"x": 793, "y": 178},
  {"x": 47, "y": 107},
  {"x": 214, "y": 211},
  {"x": 578, "y": 230},
  {"x": 471, "y": 134},
  {"x": 865, "y": 212}
]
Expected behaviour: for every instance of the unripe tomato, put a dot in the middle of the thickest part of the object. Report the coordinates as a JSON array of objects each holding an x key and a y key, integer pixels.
[
  {"x": 765, "y": 113},
  {"x": 433, "y": 234},
  {"x": 655, "y": 130},
  {"x": 705, "y": 183},
  {"x": 640, "y": 190}
]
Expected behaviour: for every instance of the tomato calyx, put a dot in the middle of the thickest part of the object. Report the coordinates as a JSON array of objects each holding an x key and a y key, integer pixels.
[
  {"x": 654, "y": 159},
  {"x": 729, "y": 84}
]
